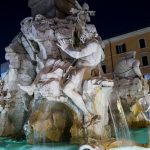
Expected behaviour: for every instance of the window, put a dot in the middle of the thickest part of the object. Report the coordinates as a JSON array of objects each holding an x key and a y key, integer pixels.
[
  {"x": 121, "y": 48},
  {"x": 104, "y": 68},
  {"x": 144, "y": 60},
  {"x": 142, "y": 43}
]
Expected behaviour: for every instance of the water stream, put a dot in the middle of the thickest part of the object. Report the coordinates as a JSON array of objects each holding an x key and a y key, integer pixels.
[{"x": 118, "y": 118}]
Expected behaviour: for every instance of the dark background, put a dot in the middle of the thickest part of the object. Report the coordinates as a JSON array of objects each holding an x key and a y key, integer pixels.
[{"x": 112, "y": 18}]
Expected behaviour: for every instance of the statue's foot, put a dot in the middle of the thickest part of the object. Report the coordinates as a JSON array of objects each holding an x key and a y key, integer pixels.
[{"x": 28, "y": 89}]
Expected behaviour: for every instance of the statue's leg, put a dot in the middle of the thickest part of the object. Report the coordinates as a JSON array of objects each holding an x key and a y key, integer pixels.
[
  {"x": 75, "y": 97},
  {"x": 72, "y": 89}
]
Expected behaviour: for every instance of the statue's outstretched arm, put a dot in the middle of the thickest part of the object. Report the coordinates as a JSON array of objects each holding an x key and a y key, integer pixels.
[{"x": 88, "y": 50}]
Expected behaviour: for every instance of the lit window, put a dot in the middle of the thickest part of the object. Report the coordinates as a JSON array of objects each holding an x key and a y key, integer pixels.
[
  {"x": 121, "y": 48},
  {"x": 142, "y": 43},
  {"x": 144, "y": 60}
]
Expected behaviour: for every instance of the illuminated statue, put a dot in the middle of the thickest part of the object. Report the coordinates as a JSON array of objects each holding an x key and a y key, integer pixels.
[
  {"x": 128, "y": 67},
  {"x": 128, "y": 77},
  {"x": 88, "y": 58}
]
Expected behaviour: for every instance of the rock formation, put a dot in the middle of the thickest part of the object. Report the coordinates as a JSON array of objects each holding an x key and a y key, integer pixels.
[{"x": 14, "y": 101}]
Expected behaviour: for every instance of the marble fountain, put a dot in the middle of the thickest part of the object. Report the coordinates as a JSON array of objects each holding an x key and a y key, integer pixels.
[{"x": 55, "y": 94}]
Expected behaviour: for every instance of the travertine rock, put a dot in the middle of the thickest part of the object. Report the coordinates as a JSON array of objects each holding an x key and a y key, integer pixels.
[
  {"x": 14, "y": 101},
  {"x": 50, "y": 121}
]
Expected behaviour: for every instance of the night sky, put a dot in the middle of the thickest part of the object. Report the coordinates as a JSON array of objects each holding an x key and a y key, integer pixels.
[{"x": 112, "y": 18}]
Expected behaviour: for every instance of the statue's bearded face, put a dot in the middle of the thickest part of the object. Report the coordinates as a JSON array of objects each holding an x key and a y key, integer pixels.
[
  {"x": 88, "y": 32},
  {"x": 85, "y": 35}
]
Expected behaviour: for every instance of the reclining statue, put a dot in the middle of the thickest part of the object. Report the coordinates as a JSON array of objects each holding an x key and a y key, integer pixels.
[
  {"x": 129, "y": 80},
  {"x": 128, "y": 67}
]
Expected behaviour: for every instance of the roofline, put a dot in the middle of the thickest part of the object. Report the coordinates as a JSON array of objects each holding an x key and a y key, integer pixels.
[{"x": 127, "y": 35}]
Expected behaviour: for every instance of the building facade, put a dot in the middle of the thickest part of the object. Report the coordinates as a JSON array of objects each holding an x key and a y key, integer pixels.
[{"x": 117, "y": 47}]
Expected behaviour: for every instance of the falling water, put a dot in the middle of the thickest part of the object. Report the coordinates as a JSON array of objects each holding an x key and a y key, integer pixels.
[
  {"x": 118, "y": 117},
  {"x": 38, "y": 137},
  {"x": 42, "y": 136},
  {"x": 46, "y": 120},
  {"x": 44, "y": 133}
]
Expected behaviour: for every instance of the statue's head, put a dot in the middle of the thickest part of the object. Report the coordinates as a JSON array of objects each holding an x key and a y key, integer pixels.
[
  {"x": 88, "y": 32},
  {"x": 26, "y": 23},
  {"x": 130, "y": 55}
]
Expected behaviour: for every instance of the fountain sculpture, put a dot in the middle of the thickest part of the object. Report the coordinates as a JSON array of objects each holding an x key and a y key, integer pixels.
[{"x": 56, "y": 91}]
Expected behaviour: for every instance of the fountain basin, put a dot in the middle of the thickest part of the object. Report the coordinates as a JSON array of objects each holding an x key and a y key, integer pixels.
[
  {"x": 130, "y": 148},
  {"x": 8, "y": 144},
  {"x": 140, "y": 135}
]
